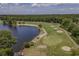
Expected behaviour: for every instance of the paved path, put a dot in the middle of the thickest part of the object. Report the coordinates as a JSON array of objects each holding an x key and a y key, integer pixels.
[
  {"x": 76, "y": 45},
  {"x": 41, "y": 35},
  {"x": 27, "y": 25}
]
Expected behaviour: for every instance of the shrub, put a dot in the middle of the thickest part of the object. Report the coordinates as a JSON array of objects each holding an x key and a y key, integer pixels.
[{"x": 29, "y": 44}]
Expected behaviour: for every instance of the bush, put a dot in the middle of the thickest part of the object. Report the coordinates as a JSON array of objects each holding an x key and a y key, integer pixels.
[
  {"x": 29, "y": 44},
  {"x": 6, "y": 51},
  {"x": 40, "y": 25}
]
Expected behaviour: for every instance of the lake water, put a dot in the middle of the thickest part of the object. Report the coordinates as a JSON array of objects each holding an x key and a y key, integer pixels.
[{"x": 22, "y": 34}]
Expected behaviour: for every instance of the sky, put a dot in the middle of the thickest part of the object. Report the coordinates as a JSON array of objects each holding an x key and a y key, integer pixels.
[{"x": 38, "y": 8}]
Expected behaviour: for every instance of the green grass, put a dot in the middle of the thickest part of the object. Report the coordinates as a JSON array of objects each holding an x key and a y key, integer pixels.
[
  {"x": 1, "y": 22},
  {"x": 55, "y": 38},
  {"x": 55, "y": 41}
]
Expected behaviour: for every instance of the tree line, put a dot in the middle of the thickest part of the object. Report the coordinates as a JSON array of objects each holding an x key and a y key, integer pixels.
[{"x": 69, "y": 22}]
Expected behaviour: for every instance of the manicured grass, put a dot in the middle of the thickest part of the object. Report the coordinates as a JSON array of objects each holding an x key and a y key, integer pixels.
[{"x": 55, "y": 41}]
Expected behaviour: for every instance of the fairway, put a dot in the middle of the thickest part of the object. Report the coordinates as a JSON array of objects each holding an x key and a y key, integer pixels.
[{"x": 55, "y": 40}]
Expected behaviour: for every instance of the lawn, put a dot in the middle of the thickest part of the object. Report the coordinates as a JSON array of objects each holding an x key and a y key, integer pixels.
[{"x": 55, "y": 41}]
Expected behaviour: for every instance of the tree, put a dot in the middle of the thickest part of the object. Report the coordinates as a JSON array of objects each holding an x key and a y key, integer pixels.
[
  {"x": 6, "y": 42},
  {"x": 29, "y": 44},
  {"x": 75, "y": 31},
  {"x": 40, "y": 25},
  {"x": 6, "y": 51},
  {"x": 76, "y": 20},
  {"x": 66, "y": 23}
]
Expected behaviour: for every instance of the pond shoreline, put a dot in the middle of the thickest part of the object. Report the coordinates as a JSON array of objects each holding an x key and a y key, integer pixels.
[{"x": 37, "y": 38}]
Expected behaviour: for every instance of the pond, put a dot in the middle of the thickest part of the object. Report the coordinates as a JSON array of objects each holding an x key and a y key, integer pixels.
[{"x": 22, "y": 33}]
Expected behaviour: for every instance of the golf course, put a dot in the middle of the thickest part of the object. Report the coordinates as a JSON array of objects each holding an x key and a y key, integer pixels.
[
  {"x": 41, "y": 35},
  {"x": 56, "y": 42}
]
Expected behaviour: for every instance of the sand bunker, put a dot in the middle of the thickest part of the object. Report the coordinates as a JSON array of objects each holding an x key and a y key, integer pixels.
[
  {"x": 42, "y": 46},
  {"x": 52, "y": 26},
  {"x": 59, "y": 31},
  {"x": 66, "y": 48},
  {"x": 55, "y": 28}
]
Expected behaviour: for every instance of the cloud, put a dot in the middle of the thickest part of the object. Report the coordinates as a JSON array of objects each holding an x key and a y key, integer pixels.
[
  {"x": 3, "y": 4},
  {"x": 8, "y": 4},
  {"x": 26, "y": 8},
  {"x": 44, "y": 4},
  {"x": 73, "y": 9}
]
